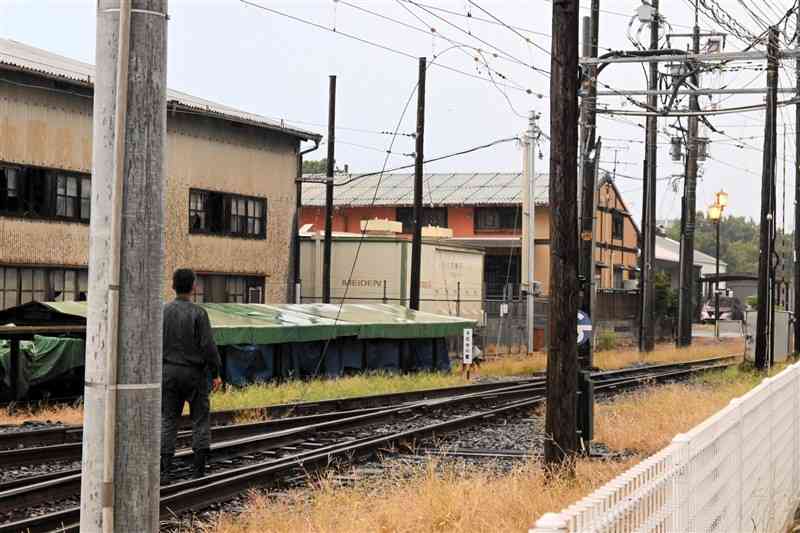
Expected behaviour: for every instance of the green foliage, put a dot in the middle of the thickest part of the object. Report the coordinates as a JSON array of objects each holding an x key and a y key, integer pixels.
[
  {"x": 319, "y": 166},
  {"x": 738, "y": 242},
  {"x": 606, "y": 341},
  {"x": 315, "y": 166},
  {"x": 752, "y": 301},
  {"x": 666, "y": 297}
]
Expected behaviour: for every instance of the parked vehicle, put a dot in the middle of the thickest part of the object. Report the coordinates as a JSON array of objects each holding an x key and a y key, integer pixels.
[{"x": 730, "y": 308}]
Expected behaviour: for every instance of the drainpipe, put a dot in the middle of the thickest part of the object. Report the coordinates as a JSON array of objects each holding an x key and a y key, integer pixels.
[{"x": 298, "y": 205}]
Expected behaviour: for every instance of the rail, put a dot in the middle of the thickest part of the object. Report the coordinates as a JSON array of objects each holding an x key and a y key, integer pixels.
[{"x": 739, "y": 470}]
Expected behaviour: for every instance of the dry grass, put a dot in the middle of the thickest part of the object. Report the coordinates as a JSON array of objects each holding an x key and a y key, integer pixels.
[
  {"x": 365, "y": 384},
  {"x": 64, "y": 414},
  {"x": 516, "y": 365},
  {"x": 459, "y": 499}
]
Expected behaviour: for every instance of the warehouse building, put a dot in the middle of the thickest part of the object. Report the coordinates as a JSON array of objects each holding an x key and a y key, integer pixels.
[
  {"x": 484, "y": 210},
  {"x": 230, "y": 191}
]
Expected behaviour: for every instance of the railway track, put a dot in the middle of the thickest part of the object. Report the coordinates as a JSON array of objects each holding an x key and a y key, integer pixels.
[{"x": 259, "y": 455}]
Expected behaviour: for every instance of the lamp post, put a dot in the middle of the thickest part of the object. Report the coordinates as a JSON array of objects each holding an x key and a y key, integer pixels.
[{"x": 715, "y": 215}]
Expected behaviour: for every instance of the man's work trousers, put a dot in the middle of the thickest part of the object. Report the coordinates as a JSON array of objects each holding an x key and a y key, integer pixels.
[{"x": 182, "y": 384}]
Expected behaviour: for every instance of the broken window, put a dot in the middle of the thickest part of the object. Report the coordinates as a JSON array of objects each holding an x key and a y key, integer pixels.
[
  {"x": 22, "y": 285},
  {"x": 218, "y": 213},
  {"x": 43, "y": 193}
]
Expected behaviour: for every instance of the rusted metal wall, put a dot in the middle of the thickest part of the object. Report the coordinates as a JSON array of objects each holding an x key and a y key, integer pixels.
[{"x": 54, "y": 129}]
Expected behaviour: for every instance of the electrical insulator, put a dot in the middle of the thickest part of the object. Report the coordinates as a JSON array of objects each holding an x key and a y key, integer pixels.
[
  {"x": 675, "y": 148},
  {"x": 702, "y": 148}
]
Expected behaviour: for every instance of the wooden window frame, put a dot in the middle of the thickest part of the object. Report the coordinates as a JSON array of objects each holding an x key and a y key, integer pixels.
[
  {"x": 617, "y": 223},
  {"x": 502, "y": 221},
  {"x": 228, "y": 221},
  {"x": 37, "y": 193}
]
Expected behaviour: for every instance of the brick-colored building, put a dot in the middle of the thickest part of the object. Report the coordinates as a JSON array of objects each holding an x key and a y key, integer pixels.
[
  {"x": 230, "y": 187},
  {"x": 484, "y": 209}
]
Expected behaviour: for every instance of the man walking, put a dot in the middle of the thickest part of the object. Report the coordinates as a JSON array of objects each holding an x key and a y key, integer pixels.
[{"x": 191, "y": 368}]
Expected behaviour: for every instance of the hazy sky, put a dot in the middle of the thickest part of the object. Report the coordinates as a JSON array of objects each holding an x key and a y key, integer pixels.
[{"x": 243, "y": 56}]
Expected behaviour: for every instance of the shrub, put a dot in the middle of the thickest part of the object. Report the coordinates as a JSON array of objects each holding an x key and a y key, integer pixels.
[{"x": 607, "y": 340}]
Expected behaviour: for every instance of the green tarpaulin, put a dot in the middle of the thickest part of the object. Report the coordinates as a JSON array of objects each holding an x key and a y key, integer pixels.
[
  {"x": 282, "y": 323},
  {"x": 41, "y": 361}
]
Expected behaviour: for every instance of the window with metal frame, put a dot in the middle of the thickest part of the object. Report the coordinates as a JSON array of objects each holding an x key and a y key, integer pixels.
[
  {"x": 431, "y": 216},
  {"x": 223, "y": 288},
  {"x": 498, "y": 218},
  {"x": 19, "y": 285}
]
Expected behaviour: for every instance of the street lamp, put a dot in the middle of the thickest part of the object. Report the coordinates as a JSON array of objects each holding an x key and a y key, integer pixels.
[{"x": 715, "y": 215}]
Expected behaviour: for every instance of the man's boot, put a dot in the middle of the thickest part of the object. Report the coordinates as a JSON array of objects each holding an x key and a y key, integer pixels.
[
  {"x": 166, "y": 465},
  {"x": 200, "y": 459}
]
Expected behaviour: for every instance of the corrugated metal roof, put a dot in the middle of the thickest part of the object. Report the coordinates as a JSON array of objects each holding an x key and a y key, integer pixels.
[
  {"x": 35, "y": 60},
  {"x": 438, "y": 189},
  {"x": 669, "y": 250}
]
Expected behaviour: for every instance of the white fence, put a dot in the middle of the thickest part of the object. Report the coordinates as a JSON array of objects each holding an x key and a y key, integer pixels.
[{"x": 738, "y": 471}]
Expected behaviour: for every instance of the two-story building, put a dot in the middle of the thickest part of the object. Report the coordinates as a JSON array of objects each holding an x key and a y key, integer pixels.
[
  {"x": 482, "y": 209},
  {"x": 229, "y": 194}
]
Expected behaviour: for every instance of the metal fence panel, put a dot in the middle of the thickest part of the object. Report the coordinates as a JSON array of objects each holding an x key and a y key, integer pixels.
[{"x": 737, "y": 471}]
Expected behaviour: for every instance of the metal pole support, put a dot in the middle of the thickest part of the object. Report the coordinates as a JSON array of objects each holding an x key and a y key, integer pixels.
[{"x": 585, "y": 407}]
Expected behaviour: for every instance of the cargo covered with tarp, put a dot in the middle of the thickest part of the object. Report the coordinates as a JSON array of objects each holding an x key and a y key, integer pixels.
[
  {"x": 43, "y": 360},
  {"x": 261, "y": 342}
]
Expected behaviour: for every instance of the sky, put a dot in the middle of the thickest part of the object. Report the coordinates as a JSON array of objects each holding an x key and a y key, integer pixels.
[{"x": 241, "y": 55}]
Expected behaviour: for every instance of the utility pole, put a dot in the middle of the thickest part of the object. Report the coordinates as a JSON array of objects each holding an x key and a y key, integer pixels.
[
  {"x": 562, "y": 357},
  {"x": 419, "y": 157},
  {"x": 122, "y": 421},
  {"x": 647, "y": 327},
  {"x": 326, "y": 252},
  {"x": 588, "y": 175},
  {"x": 686, "y": 294},
  {"x": 529, "y": 257},
  {"x": 796, "y": 237},
  {"x": 767, "y": 206}
]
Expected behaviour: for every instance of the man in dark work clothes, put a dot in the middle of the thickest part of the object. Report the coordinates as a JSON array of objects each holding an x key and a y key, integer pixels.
[{"x": 191, "y": 369}]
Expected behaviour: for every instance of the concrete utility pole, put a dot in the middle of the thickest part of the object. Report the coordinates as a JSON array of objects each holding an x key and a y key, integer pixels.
[
  {"x": 419, "y": 158},
  {"x": 562, "y": 357},
  {"x": 796, "y": 266},
  {"x": 687, "y": 291},
  {"x": 529, "y": 257},
  {"x": 767, "y": 207},
  {"x": 122, "y": 421},
  {"x": 647, "y": 289},
  {"x": 326, "y": 252},
  {"x": 588, "y": 175}
]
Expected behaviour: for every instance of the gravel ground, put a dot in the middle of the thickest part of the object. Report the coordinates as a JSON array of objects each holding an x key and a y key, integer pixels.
[{"x": 29, "y": 426}]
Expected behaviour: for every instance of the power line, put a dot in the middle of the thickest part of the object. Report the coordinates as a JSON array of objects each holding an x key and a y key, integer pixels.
[
  {"x": 431, "y": 160},
  {"x": 379, "y": 45}
]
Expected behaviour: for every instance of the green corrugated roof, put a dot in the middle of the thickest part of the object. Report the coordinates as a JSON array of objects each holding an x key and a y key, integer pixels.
[{"x": 279, "y": 323}]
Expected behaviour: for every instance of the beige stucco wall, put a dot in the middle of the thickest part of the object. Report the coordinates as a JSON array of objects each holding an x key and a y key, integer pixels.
[{"x": 48, "y": 129}]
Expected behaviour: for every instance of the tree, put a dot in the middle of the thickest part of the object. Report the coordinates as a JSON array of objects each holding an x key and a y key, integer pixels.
[
  {"x": 738, "y": 239},
  {"x": 315, "y": 166}
]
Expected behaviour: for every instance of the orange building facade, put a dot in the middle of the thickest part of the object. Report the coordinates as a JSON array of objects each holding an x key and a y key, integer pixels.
[{"x": 493, "y": 225}]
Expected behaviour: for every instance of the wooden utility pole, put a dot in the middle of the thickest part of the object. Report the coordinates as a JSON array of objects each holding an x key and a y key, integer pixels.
[
  {"x": 326, "y": 251},
  {"x": 767, "y": 207},
  {"x": 562, "y": 357},
  {"x": 419, "y": 157},
  {"x": 796, "y": 236},
  {"x": 647, "y": 289},
  {"x": 122, "y": 395},
  {"x": 588, "y": 175},
  {"x": 686, "y": 294}
]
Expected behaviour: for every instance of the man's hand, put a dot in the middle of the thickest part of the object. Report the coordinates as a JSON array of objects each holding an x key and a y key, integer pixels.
[{"x": 216, "y": 383}]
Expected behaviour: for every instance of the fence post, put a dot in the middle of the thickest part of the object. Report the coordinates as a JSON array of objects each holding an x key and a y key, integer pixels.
[
  {"x": 298, "y": 299},
  {"x": 550, "y": 523},
  {"x": 682, "y": 512},
  {"x": 384, "y": 292},
  {"x": 458, "y": 299}
]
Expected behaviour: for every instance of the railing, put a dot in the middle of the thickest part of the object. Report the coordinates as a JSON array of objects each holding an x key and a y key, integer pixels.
[{"x": 738, "y": 471}]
